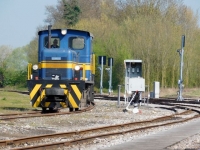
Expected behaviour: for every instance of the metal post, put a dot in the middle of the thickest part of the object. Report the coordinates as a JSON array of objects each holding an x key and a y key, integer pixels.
[
  {"x": 110, "y": 77},
  {"x": 101, "y": 83},
  {"x": 49, "y": 36},
  {"x": 125, "y": 87},
  {"x": 119, "y": 88},
  {"x": 180, "y": 82},
  {"x": 148, "y": 95},
  {"x": 108, "y": 70}
]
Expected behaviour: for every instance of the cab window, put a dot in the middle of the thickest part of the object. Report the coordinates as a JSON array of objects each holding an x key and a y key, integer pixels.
[
  {"x": 55, "y": 42},
  {"x": 76, "y": 43}
]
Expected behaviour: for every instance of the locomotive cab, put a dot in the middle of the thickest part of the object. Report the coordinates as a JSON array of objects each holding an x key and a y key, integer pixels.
[{"x": 64, "y": 75}]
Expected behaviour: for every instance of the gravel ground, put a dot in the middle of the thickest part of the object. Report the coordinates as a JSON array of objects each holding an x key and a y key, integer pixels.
[{"x": 105, "y": 113}]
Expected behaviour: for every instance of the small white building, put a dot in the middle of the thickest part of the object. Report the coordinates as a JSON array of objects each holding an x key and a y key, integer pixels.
[{"x": 133, "y": 77}]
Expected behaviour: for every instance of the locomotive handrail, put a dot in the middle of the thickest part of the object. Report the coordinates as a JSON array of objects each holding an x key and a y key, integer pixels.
[
  {"x": 93, "y": 63},
  {"x": 29, "y": 70},
  {"x": 83, "y": 72}
]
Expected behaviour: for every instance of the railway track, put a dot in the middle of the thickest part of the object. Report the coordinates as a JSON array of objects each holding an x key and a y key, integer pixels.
[
  {"x": 115, "y": 98},
  {"x": 172, "y": 100},
  {"x": 41, "y": 114},
  {"x": 166, "y": 101},
  {"x": 103, "y": 95},
  {"x": 87, "y": 136}
]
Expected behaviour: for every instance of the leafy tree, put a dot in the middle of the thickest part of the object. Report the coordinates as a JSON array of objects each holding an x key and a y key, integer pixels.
[
  {"x": 90, "y": 9},
  {"x": 20, "y": 60},
  {"x": 71, "y": 12},
  {"x": 16, "y": 66},
  {"x": 5, "y": 52},
  {"x": 32, "y": 51},
  {"x": 1, "y": 77},
  {"x": 149, "y": 30}
]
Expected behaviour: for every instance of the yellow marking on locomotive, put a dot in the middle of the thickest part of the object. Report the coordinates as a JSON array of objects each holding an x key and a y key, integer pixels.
[
  {"x": 37, "y": 102},
  {"x": 63, "y": 104},
  {"x": 70, "y": 97},
  {"x": 66, "y": 92},
  {"x": 58, "y": 62},
  {"x": 49, "y": 85},
  {"x": 71, "y": 100},
  {"x": 42, "y": 95},
  {"x": 29, "y": 70},
  {"x": 62, "y": 65},
  {"x": 56, "y": 65},
  {"x": 76, "y": 90},
  {"x": 47, "y": 104},
  {"x": 86, "y": 66},
  {"x": 93, "y": 63},
  {"x": 34, "y": 91},
  {"x": 63, "y": 86}
]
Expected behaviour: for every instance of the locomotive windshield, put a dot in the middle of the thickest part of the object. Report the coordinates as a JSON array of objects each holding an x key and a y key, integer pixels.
[
  {"x": 55, "y": 42},
  {"x": 76, "y": 43}
]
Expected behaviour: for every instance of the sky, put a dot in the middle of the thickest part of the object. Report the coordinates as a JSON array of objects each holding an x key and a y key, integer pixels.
[{"x": 20, "y": 19}]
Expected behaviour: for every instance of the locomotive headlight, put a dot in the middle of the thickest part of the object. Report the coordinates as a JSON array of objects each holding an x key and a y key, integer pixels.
[
  {"x": 63, "y": 32},
  {"x": 77, "y": 68},
  {"x": 35, "y": 67}
]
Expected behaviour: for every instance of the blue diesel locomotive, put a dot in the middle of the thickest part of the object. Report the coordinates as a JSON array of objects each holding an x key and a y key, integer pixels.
[{"x": 64, "y": 75}]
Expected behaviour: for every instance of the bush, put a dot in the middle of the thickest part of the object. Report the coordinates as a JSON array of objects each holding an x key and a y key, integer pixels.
[{"x": 15, "y": 78}]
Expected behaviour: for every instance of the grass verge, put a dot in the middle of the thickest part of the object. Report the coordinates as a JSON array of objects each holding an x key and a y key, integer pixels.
[{"x": 14, "y": 102}]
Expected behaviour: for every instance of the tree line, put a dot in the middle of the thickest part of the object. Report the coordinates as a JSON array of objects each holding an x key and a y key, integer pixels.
[{"x": 149, "y": 30}]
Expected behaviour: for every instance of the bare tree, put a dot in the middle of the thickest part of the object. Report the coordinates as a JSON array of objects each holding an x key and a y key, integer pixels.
[
  {"x": 5, "y": 52},
  {"x": 55, "y": 13}
]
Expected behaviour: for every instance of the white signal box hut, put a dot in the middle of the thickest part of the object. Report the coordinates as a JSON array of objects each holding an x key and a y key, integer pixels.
[{"x": 134, "y": 82}]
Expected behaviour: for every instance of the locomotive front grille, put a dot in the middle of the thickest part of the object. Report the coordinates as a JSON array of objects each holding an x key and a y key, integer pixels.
[{"x": 60, "y": 72}]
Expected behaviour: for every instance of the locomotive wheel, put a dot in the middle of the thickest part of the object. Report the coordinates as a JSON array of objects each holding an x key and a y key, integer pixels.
[
  {"x": 51, "y": 109},
  {"x": 44, "y": 109},
  {"x": 71, "y": 109},
  {"x": 88, "y": 99},
  {"x": 92, "y": 93},
  {"x": 84, "y": 99}
]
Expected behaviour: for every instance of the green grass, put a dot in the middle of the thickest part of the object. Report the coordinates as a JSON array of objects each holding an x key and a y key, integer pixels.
[
  {"x": 193, "y": 93},
  {"x": 14, "y": 102}
]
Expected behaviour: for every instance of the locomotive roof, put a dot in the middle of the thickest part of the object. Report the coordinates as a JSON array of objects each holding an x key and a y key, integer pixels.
[{"x": 59, "y": 30}]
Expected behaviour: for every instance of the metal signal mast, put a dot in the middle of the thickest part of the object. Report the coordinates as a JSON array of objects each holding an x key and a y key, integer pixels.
[{"x": 180, "y": 81}]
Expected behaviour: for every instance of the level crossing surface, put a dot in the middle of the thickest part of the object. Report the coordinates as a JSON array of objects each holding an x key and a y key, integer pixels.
[{"x": 162, "y": 139}]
